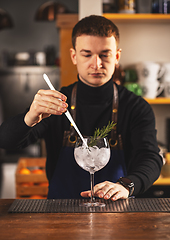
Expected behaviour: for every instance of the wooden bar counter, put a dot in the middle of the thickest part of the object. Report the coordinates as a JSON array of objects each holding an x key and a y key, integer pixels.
[{"x": 77, "y": 226}]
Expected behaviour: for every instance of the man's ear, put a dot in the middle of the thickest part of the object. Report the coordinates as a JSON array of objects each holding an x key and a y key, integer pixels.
[
  {"x": 118, "y": 54},
  {"x": 73, "y": 55}
]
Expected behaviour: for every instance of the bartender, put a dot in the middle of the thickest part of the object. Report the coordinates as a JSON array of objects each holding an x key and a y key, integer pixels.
[{"x": 93, "y": 100}]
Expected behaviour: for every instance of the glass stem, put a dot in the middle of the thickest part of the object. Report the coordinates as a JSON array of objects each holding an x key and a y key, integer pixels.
[{"x": 92, "y": 186}]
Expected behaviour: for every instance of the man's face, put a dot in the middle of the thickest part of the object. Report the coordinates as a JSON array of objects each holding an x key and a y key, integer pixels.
[{"x": 95, "y": 58}]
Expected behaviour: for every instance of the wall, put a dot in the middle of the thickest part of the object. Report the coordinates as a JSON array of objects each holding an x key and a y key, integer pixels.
[{"x": 144, "y": 42}]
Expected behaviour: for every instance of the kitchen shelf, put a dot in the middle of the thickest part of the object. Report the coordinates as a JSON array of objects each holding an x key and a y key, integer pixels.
[
  {"x": 159, "y": 100},
  {"x": 138, "y": 17},
  {"x": 162, "y": 181},
  {"x": 69, "y": 20}
]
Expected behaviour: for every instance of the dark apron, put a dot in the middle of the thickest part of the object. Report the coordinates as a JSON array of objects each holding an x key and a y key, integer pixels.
[{"x": 69, "y": 180}]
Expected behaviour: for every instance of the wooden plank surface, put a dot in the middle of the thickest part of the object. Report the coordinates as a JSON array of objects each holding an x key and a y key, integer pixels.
[{"x": 84, "y": 226}]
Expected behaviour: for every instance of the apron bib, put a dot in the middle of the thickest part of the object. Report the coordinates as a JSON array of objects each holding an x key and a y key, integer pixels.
[{"x": 69, "y": 179}]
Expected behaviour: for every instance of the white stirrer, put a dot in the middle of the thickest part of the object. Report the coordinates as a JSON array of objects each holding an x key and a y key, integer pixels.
[{"x": 68, "y": 115}]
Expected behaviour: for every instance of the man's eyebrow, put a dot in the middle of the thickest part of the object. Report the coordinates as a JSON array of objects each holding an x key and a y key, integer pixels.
[
  {"x": 103, "y": 51},
  {"x": 85, "y": 50},
  {"x": 106, "y": 50}
]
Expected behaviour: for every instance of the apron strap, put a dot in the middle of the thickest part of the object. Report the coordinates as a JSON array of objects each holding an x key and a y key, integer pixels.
[
  {"x": 70, "y": 137},
  {"x": 113, "y": 141},
  {"x": 73, "y": 102}
]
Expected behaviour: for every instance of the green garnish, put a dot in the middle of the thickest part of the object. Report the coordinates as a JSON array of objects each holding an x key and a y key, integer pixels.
[{"x": 101, "y": 133}]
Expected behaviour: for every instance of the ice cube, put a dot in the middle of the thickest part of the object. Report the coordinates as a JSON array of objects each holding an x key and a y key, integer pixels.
[
  {"x": 83, "y": 157},
  {"x": 94, "y": 151},
  {"x": 103, "y": 157}
]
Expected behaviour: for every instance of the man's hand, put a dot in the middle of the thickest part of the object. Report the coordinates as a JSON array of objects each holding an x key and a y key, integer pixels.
[
  {"x": 108, "y": 190},
  {"x": 45, "y": 103}
]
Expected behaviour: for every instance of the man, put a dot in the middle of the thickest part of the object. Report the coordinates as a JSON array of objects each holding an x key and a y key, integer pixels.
[{"x": 93, "y": 101}]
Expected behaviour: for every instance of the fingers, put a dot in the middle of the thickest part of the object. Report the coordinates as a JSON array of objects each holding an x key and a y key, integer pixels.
[
  {"x": 108, "y": 190},
  {"x": 53, "y": 93},
  {"x": 45, "y": 103},
  {"x": 86, "y": 194},
  {"x": 49, "y": 102}
]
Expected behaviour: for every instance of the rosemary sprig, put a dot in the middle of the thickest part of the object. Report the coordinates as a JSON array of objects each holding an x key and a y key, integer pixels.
[{"x": 101, "y": 133}]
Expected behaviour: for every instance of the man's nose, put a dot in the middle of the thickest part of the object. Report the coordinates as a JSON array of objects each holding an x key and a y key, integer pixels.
[{"x": 96, "y": 62}]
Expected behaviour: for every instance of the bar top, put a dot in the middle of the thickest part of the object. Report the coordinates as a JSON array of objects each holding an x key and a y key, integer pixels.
[{"x": 77, "y": 226}]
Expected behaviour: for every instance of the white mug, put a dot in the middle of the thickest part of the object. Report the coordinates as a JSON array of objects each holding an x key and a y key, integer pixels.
[
  {"x": 40, "y": 58},
  {"x": 166, "y": 76},
  {"x": 149, "y": 71},
  {"x": 167, "y": 89},
  {"x": 151, "y": 89}
]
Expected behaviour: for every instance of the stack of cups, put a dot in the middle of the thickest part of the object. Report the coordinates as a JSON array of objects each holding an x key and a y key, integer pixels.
[{"x": 148, "y": 75}]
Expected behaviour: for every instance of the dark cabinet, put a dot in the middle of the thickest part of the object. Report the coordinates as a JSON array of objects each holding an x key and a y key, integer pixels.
[{"x": 157, "y": 191}]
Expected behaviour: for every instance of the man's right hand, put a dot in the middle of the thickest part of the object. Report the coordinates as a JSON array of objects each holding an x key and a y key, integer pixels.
[{"x": 45, "y": 103}]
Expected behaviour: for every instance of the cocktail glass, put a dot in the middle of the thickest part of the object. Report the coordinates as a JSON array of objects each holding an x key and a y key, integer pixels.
[{"x": 92, "y": 159}]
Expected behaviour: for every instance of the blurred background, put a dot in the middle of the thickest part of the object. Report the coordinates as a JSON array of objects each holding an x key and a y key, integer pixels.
[
  {"x": 21, "y": 71},
  {"x": 30, "y": 44}
]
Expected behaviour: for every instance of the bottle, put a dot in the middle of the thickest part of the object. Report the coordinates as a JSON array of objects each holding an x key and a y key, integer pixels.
[
  {"x": 166, "y": 6},
  {"x": 109, "y": 6},
  {"x": 126, "y": 6},
  {"x": 161, "y": 6}
]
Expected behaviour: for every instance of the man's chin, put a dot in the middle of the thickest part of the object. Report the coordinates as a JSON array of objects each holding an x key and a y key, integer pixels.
[{"x": 96, "y": 81}]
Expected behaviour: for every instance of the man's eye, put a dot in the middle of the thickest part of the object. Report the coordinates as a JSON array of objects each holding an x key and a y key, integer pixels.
[
  {"x": 88, "y": 55},
  {"x": 103, "y": 56}
]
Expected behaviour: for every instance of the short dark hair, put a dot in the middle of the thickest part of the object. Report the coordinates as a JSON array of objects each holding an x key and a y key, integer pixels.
[{"x": 95, "y": 26}]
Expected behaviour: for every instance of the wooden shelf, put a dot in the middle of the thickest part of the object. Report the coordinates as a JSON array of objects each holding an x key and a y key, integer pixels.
[
  {"x": 160, "y": 100},
  {"x": 69, "y": 20},
  {"x": 138, "y": 17},
  {"x": 66, "y": 21},
  {"x": 162, "y": 181}
]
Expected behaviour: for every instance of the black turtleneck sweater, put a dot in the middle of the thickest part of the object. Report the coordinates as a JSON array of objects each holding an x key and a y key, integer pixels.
[
  {"x": 136, "y": 124},
  {"x": 94, "y": 106}
]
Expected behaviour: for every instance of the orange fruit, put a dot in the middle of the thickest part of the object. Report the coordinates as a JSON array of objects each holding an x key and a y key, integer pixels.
[
  {"x": 37, "y": 197},
  {"x": 24, "y": 171},
  {"x": 37, "y": 171},
  {"x": 43, "y": 184}
]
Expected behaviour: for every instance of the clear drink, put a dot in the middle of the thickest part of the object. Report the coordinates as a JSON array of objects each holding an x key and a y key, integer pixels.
[{"x": 92, "y": 159}]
